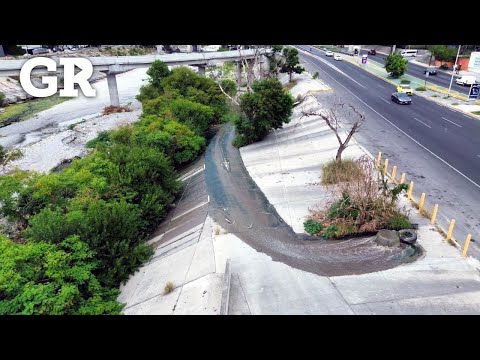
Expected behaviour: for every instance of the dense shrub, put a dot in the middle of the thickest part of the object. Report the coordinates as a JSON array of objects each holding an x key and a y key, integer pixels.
[
  {"x": 174, "y": 139},
  {"x": 363, "y": 204},
  {"x": 56, "y": 279},
  {"x": 267, "y": 107},
  {"x": 157, "y": 72},
  {"x": 103, "y": 137},
  {"x": 312, "y": 227},
  {"x": 398, "y": 222},
  {"x": 197, "y": 88},
  {"x": 229, "y": 86}
]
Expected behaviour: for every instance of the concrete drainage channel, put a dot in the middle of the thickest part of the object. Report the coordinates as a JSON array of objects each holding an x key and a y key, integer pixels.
[{"x": 240, "y": 207}]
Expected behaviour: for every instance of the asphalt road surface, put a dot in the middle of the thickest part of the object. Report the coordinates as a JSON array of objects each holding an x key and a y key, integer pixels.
[
  {"x": 441, "y": 79},
  {"x": 438, "y": 148}
]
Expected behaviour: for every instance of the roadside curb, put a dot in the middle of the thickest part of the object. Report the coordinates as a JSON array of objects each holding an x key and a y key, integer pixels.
[{"x": 226, "y": 289}]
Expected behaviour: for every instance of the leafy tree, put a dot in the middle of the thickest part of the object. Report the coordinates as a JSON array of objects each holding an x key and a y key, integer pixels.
[
  {"x": 275, "y": 59},
  {"x": 267, "y": 107},
  {"x": 175, "y": 140},
  {"x": 443, "y": 53},
  {"x": 291, "y": 63},
  {"x": 396, "y": 65},
  {"x": 157, "y": 72},
  {"x": 229, "y": 86},
  {"x": 42, "y": 278}
]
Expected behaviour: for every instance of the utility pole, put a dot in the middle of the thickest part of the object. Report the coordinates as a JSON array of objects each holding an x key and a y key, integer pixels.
[{"x": 453, "y": 71}]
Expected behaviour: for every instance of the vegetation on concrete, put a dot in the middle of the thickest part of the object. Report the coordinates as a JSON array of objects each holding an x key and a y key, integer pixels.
[
  {"x": 2, "y": 97},
  {"x": 291, "y": 63},
  {"x": 335, "y": 172},
  {"x": 267, "y": 107},
  {"x": 364, "y": 204},
  {"x": 169, "y": 287},
  {"x": 403, "y": 81},
  {"x": 396, "y": 65},
  {"x": 312, "y": 226},
  {"x": 23, "y": 111},
  {"x": 316, "y": 75},
  {"x": 476, "y": 112},
  {"x": 421, "y": 88},
  {"x": 77, "y": 234}
]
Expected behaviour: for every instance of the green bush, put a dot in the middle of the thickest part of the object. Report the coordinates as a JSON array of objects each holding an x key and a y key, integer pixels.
[
  {"x": 2, "y": 97},
  {"x": 103, "y": 137},
  {"x": 312, "y": 227},
  {"x": 267, "y": 107},
  {"x": 421, "y": 88},
  {"x": 229, "y": 86},
  {"x": 196, "y": 116},
  {"x": 172, "y": 138},
  {"x": 197, "y": 88},
  {"x": 316, "y": 75},
  {"x": 405, "y": 81},
  {"x": 398, "y": 222},
  {"x": 331, "y": 232},
  {"x": 157, "y": 72},
  {"x": 41, "y": 278}
]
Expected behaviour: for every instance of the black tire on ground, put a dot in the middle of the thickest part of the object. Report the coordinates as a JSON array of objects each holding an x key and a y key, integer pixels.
[{"x": 407, "y": 236}]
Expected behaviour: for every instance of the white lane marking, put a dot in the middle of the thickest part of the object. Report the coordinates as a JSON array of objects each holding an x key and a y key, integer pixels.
[
  {"x": 208, "y": 199},
  {"x": 403, "y": 132},
  {"x": 454, "y": 123},
  {"x": 466, "y": 116},
  {"x": 388, "y": 102},
  {"x": 333, "y": 67},
  {"x": 383, "y": 87},
  {"x": 423, "y": 123}
]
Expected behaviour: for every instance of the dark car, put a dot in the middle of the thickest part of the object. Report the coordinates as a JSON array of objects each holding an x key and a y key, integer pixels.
[
  {"x": 372, "y": 52},
  {"x": 401, "y": 98},
  {"x": 430, "y": 71}
]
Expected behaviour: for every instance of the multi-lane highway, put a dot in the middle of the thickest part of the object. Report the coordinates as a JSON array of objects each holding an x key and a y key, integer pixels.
[
  {"x": 438, "y": 147},
  {"x": 441, "y": 79}
]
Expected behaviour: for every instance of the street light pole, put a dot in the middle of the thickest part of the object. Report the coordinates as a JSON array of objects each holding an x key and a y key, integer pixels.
[{"x": 453, "y": 72}]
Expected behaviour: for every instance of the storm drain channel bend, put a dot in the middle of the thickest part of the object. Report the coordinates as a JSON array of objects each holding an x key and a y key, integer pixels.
[{"x": 240, "y": 207}]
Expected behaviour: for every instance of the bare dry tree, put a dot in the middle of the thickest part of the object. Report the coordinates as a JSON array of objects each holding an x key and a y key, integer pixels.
[
  {"x": 331, "y": 117},
  {"x": 249, "y": 65}
]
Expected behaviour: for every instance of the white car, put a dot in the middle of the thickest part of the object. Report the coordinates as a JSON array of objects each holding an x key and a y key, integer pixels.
[
  {"x": 337, "y": 57},
  {"x": 329, "y": 53}
]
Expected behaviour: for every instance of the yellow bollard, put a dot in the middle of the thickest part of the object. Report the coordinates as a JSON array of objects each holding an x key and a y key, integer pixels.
[
  {"x": 402, "y": 179},
  {"x": 385, "y": 167},
  {"x": 450, "y": 229},
  {"x": 379, "y": 159},
  {"x": 394, "y": 174},
  {"x": 410, "y": 189},
  {"x": 434, "y": 214},
  {"x": 467, "y": 243},
  {"x": 422, "y": 200}
]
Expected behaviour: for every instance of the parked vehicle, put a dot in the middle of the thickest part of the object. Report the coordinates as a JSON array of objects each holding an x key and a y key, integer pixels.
[
  {"x": 466, "y": 80},
  {"x": 337, "y": 57},
  {"x": 406, "y": 89},
  {"x": 329, "y": 53},
  {"x": 372, "y": 52},
  {"x": 408, "y": 52},
  {"x": 430, "y": 71},
  {"x": 40, "y": 50},
  {"x": 401, "y": 98}
]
